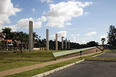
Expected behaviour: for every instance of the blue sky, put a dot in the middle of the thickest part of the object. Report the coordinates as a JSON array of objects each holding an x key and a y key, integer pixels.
[{"x": 80, "y": 21}]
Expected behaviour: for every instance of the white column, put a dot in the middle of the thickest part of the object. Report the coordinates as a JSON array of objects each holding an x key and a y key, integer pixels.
[
  {"x": 47, "y": 39},
  {"x": 30, "y": 35}
]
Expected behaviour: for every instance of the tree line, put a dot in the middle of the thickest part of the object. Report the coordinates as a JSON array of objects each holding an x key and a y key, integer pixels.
[
  {"x": 112, "y": 36},
  {"x": 38, "y": 43}
]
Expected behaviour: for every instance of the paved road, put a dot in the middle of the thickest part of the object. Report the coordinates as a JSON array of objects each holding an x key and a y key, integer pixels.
[
  {"x": 88, "y": 69},
  {"x": 109, "y": 54}
]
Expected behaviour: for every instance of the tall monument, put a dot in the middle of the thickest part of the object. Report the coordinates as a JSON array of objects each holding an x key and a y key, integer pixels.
[
  {"x": 68, "y": 44},
  {"x": 65, "y": 43},
  {"x": 30, "y": 35},
  {"x": 47, "y": 39},
  {"x": 62, "y": 42},
  {"x": 56, "y": 41}
]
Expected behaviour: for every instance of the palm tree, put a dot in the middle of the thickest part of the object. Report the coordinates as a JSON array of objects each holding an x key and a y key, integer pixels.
[
  {"x": 22, "y": 37},
  {"x": 35, "y": 37},
  {"x": 7, "y": 32},
  {"x": 103, "y": 40},
  {"x": 13, "y": 37},
  {"x": 0, "y": 40},
  {"x": 26, "y": 39}
]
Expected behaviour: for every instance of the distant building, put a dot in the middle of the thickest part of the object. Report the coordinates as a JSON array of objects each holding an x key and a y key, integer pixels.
[
  {"x": 2, "y": 36},
  {"x": 4, "y": 43}
]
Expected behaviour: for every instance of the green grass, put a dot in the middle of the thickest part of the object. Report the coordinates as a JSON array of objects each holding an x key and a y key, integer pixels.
[
  {"x": 9, "y": 64},
  {"x": 42, "y": 69},
  {"x": 16, "y": 60},
  {"x": 36, "y": 55},
  {"x": 47, "y": 68}
]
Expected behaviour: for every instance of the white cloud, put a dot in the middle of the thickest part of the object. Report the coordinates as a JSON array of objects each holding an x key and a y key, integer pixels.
[
  {"x": 89, "y": 28},
  {"x": 33, "y": 9},
  {"x": 43, "y": 18},
  {"x": 17, "y": 5},
  {"x": 83, "y": 42},
  {"x": 53, "y": 36},
  {"x": 37, "y": 23},
  {"x": 62, "y": 33},
  {"x": 74, "y": 35},
  {"x": 7, "y": 10},
  {"x": 86, "y": 13},
  {"x": 80, "y": 4},
  {"x": 68, "y": 24},
  {"x": 91, "y": 33},
  {"x": 13, "y": 27},
  {"x": 74, "y": 39},
  {"x": 44, "y": 13},
  {"x": 24, "y": 23},
  {"x": 48, "y": 1},
  {"x": 103, "y": 36},
  {"x": 62, "y": 12}
]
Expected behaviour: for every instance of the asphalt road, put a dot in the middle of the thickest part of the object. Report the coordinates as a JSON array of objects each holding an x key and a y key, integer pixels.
[
  {"x": 88, "y": 69},
  {"x": 109, "y": 54}
]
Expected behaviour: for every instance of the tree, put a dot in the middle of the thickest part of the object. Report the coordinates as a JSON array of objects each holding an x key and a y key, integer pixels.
[
  {"x": 103, "y": 40},
  {"x": 7, "y": 32},
  {"x": 112, "y": 36},
  {"x": 35, "y": 36},
  {"x": 1, "y": 36},
  {"x": 92, "y": 43},
  {"x": 13, "y": 36},
  {"x": 22, "y": 37}
]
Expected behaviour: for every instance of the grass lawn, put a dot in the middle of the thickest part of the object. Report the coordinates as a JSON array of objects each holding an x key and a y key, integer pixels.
[
  {"x": 9, "y": 64},
  {"x": 35, "y": 55},
  {"x": 16, "y": 60}
]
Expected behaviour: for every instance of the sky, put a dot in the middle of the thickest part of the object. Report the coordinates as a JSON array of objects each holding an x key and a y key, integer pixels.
[{"x": 79, "y": 21}]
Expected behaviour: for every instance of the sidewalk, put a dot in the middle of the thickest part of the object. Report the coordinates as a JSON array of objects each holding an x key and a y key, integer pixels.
[{"x": 31, "y": 67}]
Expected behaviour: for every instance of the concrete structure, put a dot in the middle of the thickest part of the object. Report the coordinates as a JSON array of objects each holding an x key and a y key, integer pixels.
[
  {"x": 65, "y": 43},
  {"x": 56, "y": 41},
  {"x": 68, "y": 44},
  {"x": 30, "y": 35},
  {"x": 62, "y": 42},
  {"x": 47, "y": 39}
]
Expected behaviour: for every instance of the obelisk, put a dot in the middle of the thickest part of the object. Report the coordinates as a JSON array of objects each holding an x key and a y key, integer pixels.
[
  {"x": 30, "y": 35},
  {"x": 62, "y": 42},
  {"x": 47, "y": 39},
  {"x": 68, "y": 44},
  {"x": 56, "y": 41},
  {"x": 65, "y": 43}
]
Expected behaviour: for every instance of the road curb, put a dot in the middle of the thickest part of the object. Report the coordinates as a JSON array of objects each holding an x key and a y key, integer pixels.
[{"x": 57, "y": 69}]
